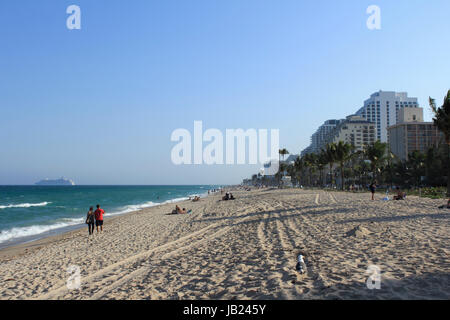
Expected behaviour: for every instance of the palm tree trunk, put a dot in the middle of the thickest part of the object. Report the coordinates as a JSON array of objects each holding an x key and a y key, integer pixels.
[
  {"x": 448, "y": 170},
  {"x": 342, "y": 175},
  {"x": 331, "y": 175},
  {"x": 279, "y": 168}
]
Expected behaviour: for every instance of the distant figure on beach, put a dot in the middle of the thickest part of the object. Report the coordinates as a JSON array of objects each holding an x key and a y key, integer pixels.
[
  {"x": 372, "y": 188},
  {"x": 99, "y": 217},
  {"x": 228, "y": 196},
  {"x": 196, "y": 198},
  {"x": 90, "y": 220},
  {"x": 178, "y": 210},
  {"x": 400, "y": 195}
]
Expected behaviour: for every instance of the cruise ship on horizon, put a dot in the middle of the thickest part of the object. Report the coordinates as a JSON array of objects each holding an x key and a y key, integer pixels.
[{"x": 58, "y": 182}]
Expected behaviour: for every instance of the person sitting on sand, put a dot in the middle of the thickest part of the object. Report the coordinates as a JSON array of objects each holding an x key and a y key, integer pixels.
[
  {"x": 90, "y": 220},
  {"x": 232, "y": 197},
  {"x": 196, "y": 198},
  {"x": 178, "y": 210},
  {"x": 400, "y": 195}
]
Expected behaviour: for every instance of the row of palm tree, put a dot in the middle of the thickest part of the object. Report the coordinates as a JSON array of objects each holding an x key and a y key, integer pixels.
[
  {"x": 337, "y": 157},
  {"x": 373, "y": 162}
]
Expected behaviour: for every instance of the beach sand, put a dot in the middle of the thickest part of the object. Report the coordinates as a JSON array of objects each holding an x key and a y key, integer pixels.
[{"x": 246, "y": 249}]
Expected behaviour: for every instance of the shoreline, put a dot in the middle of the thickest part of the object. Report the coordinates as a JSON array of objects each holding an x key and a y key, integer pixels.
[{"x": 21, "y": 245}]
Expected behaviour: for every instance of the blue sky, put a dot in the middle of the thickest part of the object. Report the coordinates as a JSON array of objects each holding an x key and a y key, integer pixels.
[{"x": 99, "y": 104}]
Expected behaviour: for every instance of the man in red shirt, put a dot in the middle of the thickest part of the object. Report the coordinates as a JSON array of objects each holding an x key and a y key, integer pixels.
[{"x": 99, "y": 217}]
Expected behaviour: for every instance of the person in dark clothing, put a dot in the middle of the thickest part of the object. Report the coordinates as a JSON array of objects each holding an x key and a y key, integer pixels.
[
  {"x": 90, "y": 220},
  {"x": 373, "y": 188}
]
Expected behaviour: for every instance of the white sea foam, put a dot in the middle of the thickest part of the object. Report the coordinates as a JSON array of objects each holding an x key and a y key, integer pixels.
[
  {"x": 134, "y": 207},
  {"x": 25, "y": 205},
  {"x": 176, "y": 200},
  {"x": 20, "y": 232},
  {"x": 34, "y": 230},
  {"x": 137, "y": 207}
]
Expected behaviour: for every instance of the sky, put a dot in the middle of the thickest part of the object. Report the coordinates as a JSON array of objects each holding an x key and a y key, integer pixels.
[{"x": 99, "y": 104}]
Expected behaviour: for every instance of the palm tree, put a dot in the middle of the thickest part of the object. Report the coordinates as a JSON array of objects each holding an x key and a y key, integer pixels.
[
  {"x": 375, "y": 153},
  {"x": 290, "y": 169},
  {"x": 310, "y": 161},
  {"x": 416, "y": 166},
  {"x": 330, "y": 151},
  {"x": 298, "y": 165},
  {"x": 254, "y": 179},
  {"x": 353, "y": 164},
  {"x": 321, "y": 163},
  {"x": 442, "y": 122},
  {"x": 389, "y": 169},
  {"x": 342, "y": 154},
  {"x": 281, "y": 152}
]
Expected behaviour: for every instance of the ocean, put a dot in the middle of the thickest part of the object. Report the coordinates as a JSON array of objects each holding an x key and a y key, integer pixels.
[{"x": 28, "y": 213}]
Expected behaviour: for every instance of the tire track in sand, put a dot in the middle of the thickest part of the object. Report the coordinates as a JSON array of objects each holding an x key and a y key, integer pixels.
[
  {"x": 332, "y": 198},
  {"x": 138, "y": 261},
  {"x": 279, "y": 266},
  {"x": 126, "y": 276},
  {"x": 316, "y": 201}
]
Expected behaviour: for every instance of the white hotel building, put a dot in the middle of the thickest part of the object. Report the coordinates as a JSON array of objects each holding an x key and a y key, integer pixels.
[
  {"x": 382, "y": 109},
  {"x": 318, "y": 139}
]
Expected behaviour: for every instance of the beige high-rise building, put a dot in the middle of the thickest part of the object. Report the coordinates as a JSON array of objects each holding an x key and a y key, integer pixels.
[
  {"x": 354, "y": 130},
  {"x": 412, "y": 134}
]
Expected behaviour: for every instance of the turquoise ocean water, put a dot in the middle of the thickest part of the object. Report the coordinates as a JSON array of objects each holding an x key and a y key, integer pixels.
[{"x": 31, "y": 212}]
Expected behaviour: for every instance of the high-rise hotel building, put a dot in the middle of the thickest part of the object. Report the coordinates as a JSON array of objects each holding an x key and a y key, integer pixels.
[
  {"x": 318, "y": 139},
  {"x": 382, "y": 109}
]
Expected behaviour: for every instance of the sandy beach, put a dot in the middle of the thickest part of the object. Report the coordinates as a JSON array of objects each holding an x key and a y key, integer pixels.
[{"x": 246, "y": 249}]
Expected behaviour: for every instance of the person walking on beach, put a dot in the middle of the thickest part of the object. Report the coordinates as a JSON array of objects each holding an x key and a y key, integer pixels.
[
  {"x": 90, "y": 220},
  {"x": 372, "y": 188},
  {"x": 99, "y": 217}
]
